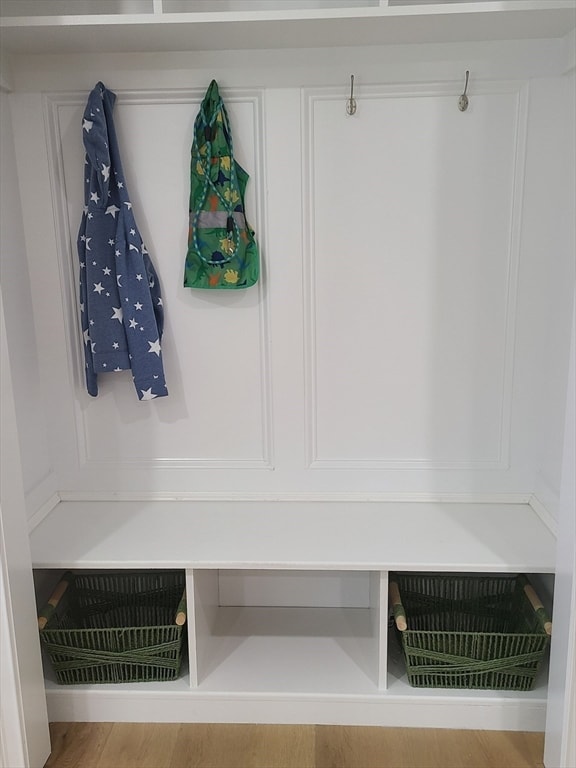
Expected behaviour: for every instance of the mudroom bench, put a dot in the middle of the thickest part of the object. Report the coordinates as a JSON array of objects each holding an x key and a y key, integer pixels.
[{"x": 287, "y": 604}]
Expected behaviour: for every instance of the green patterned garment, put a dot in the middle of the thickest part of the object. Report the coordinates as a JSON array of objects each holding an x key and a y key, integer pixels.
[{"x": 222, "y": 251}]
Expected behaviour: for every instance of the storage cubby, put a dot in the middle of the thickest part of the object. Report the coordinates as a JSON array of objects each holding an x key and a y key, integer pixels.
[
  {"x": 287, "y": 659},
  {"x": 470, "y": 631},
  {"x": 114, "y": 627},
  {"x": 297, "y": 649}
]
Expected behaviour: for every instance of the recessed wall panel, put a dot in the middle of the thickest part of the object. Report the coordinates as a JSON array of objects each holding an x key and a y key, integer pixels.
[
  {"x": 214, "y": 355},
  {"x": 410, "y": 252}
]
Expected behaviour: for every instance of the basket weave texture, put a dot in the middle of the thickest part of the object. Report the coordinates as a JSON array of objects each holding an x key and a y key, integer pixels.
[
  {"x": 468, "y": 631},
  {"x": 117, "y": 628}
]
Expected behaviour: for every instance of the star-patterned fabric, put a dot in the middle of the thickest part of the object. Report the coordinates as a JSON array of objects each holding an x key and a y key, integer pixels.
[{"x": 120, "y": 300}]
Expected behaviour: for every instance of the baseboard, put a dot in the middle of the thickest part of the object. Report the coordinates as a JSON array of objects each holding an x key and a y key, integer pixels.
[
  {"x": 542, "y": 511},
  {"x": 461, "y": 712},
  {"x": 43, "y": 511}
]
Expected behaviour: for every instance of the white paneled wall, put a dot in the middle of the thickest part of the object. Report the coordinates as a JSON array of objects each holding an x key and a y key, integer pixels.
[
  {"x": 30, "y": 399},
  {"x": 388, "y": 347}
]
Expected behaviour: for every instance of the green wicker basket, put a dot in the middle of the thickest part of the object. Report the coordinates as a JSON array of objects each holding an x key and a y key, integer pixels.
[
  {"x": 115, "y": 627},
  {"x": 469, "y": 631}
]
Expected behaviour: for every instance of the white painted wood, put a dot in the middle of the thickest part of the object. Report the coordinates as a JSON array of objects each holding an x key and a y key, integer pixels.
[
  {"x": 19, "y": 316},
  {"x": 544, "y": 515},
  {"x": 439, "y": 710},
  {"x": 291, "y": 650},
  {"x": 12, "y": 728},
  {"x": 241, "y": 6},
  {"x": 544, "y": 319},
  {"x": 43, "y": 510},
  {"x": 557, "y": 461},
  {"x": 171, "y": 451},
  {"x": 379, "y": 604},
  {"x": 327, "y": 589},
  {"x": 269, "y": 433},
  {"x": 442, "y": 498},
  {"x": 46, "y": 280},
  {"x": 32, "y": 8},
  {"x": 205, "y": 614},
  {"x": 275, "y": 70},
  {"x": 560, "y": 723},
  {"x": 294, "y": 535},
  {"x": 436, "y": 367},
  {"x": 284, "y": 649},
  {"x": 372, "y": 25},
  {"x": 191, "y": 631},
  {"x": 229, "y": 412},
  {"x": 234, "y": 8},
  {"x": 24, "y": 731}
]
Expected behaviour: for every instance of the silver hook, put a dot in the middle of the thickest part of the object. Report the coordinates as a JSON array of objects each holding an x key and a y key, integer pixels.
[
  {"x": 351, "y": 102},
  {"x": 463, "y": 101}
]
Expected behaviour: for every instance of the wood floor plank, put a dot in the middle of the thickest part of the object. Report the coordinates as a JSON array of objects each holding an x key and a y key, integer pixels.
[
  {"x": 153, "y": 745},
  {"x": 522, "y": 750},
  {"x": 139, "y": 745},
  {"x": 244, "y": 746},
  {"x": 355, "y": 747},
  {"x": 368, "y": 747},
  {"x": 375, "y": 747},
  {"x": 424, "y": 748},
  {"x": 77, "y": 745},
  {"x": 475, "y": 749}
]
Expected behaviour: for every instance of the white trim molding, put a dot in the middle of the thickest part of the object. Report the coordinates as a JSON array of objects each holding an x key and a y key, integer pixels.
[
  {"x": 191, "y": 705},
  {"x": 312, "y": 96},
  {"x": 542, "y": 511},
  {"x": 53, "y": 102}
]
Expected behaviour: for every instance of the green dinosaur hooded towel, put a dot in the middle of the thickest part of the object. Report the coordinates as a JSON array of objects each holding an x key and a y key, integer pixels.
[{"x": 222, "y": 251}]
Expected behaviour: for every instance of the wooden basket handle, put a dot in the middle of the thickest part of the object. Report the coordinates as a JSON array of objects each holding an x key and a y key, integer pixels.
[
  {"x": 536, "y": 603},
  {"x": 397, "y": 607},
  {"x": 56, "y": 596},
  {"x": 180, "y": 619}
]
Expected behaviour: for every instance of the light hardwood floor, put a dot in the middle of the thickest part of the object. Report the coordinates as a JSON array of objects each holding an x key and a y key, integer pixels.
[{"x": 166, "y": 745}]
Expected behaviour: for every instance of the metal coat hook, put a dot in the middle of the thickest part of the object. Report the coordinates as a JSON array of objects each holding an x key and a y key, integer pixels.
[
  {"x": 463, "y": 101},
  {"x": 351, "y": 102}
]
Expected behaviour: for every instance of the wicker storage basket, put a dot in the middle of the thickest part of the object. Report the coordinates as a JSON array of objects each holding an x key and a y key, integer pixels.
[
  {"x": 469, "y": 631},
  {"x": 115, "y": 627}
]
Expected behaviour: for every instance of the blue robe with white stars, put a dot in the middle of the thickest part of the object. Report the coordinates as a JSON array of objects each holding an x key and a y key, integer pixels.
[{"x": 120, "y": 301}]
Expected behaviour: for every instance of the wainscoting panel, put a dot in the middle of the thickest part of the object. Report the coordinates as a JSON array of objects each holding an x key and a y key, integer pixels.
[
  {"x": 215, "y": 343},
  {"x": 411, "y": 248}
]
